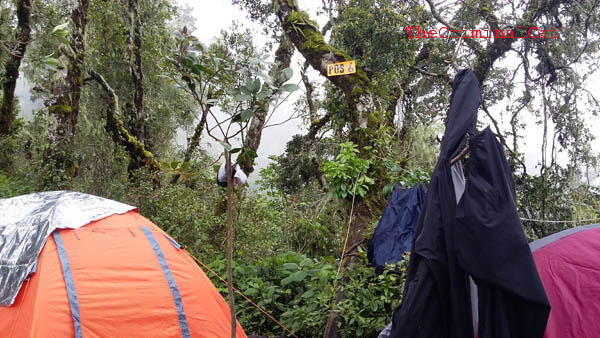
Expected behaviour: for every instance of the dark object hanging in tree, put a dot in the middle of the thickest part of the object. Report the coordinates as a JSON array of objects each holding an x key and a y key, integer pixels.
[{"x": 480, "y": 237}]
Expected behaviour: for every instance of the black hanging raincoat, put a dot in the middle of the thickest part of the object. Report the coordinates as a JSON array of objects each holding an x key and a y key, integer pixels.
[{"x": 481, "y": 237}]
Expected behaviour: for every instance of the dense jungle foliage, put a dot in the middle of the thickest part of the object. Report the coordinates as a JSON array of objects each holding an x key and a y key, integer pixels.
[{"x": 120, "y": 82}]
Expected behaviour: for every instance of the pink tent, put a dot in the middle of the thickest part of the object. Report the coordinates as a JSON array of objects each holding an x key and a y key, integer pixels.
[{"x": 569, "y": 265}]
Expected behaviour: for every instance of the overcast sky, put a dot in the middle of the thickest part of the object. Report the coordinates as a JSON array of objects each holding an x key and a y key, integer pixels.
[{"x": 210, "y": 17}]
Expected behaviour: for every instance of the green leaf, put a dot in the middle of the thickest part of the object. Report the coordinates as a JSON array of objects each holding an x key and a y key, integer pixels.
[
  {"x": 253, "y": 86},
  {"x": 245, "y": 90},
  {"x": 388, "y": 188},
  {"x": 257, "y": 85},
  {"x": 245, "y": 115},
  {"x": 249, "y": 84},
  {"x": 237, "y": 118},
  {"x": 199, "y": 46},
  {"x": 60, "y": 27},
  {"x": 225, "y": 145},
  {"x": 264, "y": 76},
  {"x": 264, "y": 93},
  {"x": 308, "y": 294},
  {"x": 61, "y": 34},
  {"x": 290, "y": 87},
  {"x": 51, "y": 63},
  {"x": 243, "y": 97},
  {"x": 286, "y": 281},
  {"x": 361, "y": 191},
  {"x": 198, "y": 69},
  {"x": 235, "y": 150},
  {"x": 174, "y": 165},
  {"x": 251, "y": 153},
  {"x": 63, "y": 39},
  {"x": 298, "y": 276},
  {"x": 291, "y": 266},
  {"x": 287, "y": 73},
  {"x": 188, "y": 61},
  {"x": 306, "y": 261}
]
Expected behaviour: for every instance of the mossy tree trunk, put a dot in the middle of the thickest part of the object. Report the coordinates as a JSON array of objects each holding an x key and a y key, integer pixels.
[
  {"x": 283, "y": 57},
  {"x": 116, "y": 127},
  {"x": 61, "y": 164},
  {"x": 365, "y": 120},
  {"x": 17, "y": 52},
  {"x": 135, "y": 112},
  {"x": 194, "y": 142}
]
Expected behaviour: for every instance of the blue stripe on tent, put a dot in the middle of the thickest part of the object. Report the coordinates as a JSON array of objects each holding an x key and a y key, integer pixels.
[
  {"x": 175, "y": 244},
  {"x": 66, "y": 268},
  {"x": 185, "y": 331}
]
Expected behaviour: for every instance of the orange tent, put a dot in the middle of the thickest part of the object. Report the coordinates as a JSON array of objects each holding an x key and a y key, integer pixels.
[{"x": 120, "y": 276}]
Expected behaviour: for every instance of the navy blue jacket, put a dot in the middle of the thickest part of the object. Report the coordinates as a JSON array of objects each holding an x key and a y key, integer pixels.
[{"x": 394, "y": 233}]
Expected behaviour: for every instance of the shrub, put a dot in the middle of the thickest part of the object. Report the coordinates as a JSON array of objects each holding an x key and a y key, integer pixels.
[{"x": 299, "y": 292}]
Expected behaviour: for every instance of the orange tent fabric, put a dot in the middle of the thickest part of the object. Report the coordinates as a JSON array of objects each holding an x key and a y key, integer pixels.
[{"x": 121, "y": 287}]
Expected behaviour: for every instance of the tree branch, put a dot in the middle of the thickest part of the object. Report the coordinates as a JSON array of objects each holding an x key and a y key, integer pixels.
[
  {"x": 117, "y": 129},
  {"x": 474, "y": 45},
  {"x": 513, "y": 153},
  {"x": 310, "y": 42},
  {"x": 283, "y": 57},
  {"x": 134, "y": 63},
  {"x": 499, "y": 47},
  {"x": 23, "y": 32}
]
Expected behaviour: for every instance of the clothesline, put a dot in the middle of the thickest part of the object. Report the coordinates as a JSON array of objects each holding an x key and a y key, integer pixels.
[{"x": 553, "y": 221}]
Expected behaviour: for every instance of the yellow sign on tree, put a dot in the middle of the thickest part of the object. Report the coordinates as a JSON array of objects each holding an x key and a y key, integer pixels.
[{"x": 341, "y": 68}]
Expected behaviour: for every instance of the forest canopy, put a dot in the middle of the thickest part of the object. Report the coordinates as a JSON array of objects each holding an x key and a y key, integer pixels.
[{"x": 133, "y": 106}]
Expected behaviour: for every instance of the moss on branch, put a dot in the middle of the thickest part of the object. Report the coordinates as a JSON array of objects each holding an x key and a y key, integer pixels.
[
  {"x": 119, "y": 133},
  {"x": 309, "y": 41}
]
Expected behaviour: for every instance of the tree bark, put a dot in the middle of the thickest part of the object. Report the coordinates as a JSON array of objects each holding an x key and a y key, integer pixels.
[
  {"x": 134, "y": 61},
  {"x": 309, "y": 41},
  {"x": 118, "y": 131},
  {"x": 22, "y": 36},
  {"x": 60, "y": 161},
  {"x": 315, "y": 125},
  {"x": 283, "y": 57},
  {"x": 67, "y": 107},
  {"x": 194, "y": 141}
]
